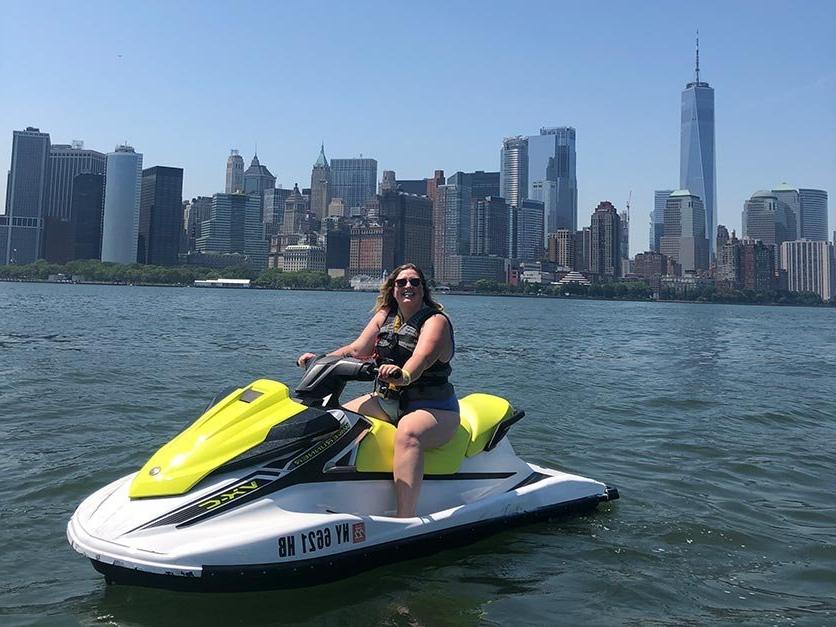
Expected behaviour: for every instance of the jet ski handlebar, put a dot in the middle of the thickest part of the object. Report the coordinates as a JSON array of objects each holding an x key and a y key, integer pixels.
[{"x": 326, "y": 377}]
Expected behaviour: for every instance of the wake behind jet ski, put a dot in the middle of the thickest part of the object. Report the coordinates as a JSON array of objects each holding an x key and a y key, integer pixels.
[{"x": 268, "y": 490}]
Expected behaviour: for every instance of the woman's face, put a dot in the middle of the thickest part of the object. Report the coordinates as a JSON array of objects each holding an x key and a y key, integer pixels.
[{"x": 408, "y": 287}]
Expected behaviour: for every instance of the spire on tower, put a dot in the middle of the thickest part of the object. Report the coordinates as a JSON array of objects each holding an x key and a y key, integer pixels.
[{"x": 698, "y": 56}]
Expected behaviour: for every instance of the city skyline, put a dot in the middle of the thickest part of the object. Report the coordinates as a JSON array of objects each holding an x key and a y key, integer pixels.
[{"x": 622, "y": 98}]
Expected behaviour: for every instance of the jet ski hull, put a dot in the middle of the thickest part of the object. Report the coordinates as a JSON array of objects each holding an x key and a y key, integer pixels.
[{"x": 300, "y": 552}]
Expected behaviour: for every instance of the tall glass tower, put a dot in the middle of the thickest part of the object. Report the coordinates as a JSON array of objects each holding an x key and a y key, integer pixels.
[{"x": 697, "y": 170}]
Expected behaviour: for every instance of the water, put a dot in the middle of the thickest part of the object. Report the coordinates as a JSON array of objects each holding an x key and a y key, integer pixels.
[{"x": 717, "y": 424}]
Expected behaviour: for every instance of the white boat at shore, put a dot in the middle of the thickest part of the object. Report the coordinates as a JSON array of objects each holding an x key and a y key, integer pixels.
[{"x": 231, "y": 283}]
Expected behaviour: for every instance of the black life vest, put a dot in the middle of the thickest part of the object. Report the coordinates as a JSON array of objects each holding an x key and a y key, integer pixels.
[{"x": 395, "y": 346}]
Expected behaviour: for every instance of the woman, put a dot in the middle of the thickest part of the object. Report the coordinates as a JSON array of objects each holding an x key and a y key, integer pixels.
[{"x": 412, "y": 340}]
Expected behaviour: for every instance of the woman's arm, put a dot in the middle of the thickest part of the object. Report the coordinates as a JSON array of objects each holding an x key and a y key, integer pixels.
[{"x": 363, "y": 346}]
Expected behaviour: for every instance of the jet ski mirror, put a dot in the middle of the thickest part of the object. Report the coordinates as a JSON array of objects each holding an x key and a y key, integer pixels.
[{"x": 326, "y": 377}]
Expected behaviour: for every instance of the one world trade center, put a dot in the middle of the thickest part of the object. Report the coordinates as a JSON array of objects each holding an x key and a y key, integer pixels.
[{"x": 697, "y": 171}]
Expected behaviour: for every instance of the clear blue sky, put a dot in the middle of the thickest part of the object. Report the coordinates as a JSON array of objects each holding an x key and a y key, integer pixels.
[{"x": 428, "y": 85}]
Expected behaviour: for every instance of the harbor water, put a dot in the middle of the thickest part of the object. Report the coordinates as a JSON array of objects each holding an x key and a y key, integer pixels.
[{"x": 716, "y": 423}]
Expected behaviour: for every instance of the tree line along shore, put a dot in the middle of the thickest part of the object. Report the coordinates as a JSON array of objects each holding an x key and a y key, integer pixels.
[{"x": 91, "y": 271}]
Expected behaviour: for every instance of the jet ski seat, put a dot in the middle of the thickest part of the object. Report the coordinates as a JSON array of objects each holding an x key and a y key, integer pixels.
[{"x": 480, "y": 415}]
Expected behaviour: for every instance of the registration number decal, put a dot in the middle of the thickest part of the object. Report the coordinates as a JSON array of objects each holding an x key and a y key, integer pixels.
[{"x": 322, "y": 538}]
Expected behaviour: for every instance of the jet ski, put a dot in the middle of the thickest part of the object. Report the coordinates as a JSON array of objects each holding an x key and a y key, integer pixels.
[{"x": 269, "y": 489}]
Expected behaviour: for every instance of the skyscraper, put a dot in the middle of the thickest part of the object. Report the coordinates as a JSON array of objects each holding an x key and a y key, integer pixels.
[
  {"x": 767, "y": 219},
  {"x": 813, "y": 214},
  {"x": 234, "y": 226},
  {"x": 389, "y": 182},
  {"x": 789, "y": 197},
  {"x": 605, "y": 235},
  {"x": 451, "y": 215},
  {"x": 657, "y": 219},
  {"x": 513, "y": 170},
  {"x": 21, "y": 228},
  {"x": 529, "y": 230},
  {"x": 552, "y": 157},
  {"x": 411, "y": 217},
  {"x": 65, "y": 163},
  {"x": 684, "y": 239},
  {"x": 294, "y": 212},
  {"x": 320, "y": 185},
  {"x": 353, "y": 180},
  {"x": 160, "y": 216},
  {"x": 196, "y": 211},
  {"x": 120, "y": 224},
  {"x": 810, "y": 267},
  {"x": 257, "y": 179},
  {"x": 489, "y": 229},
  {"x": 86, "y": 210},
  {"x": 234, "y": 173},
  {"x": 481, "y": 184},
  {"x": 697, "y": 170}
]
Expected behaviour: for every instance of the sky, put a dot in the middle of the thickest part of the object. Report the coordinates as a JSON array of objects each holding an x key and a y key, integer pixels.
[{"x": 432, "y": 85}]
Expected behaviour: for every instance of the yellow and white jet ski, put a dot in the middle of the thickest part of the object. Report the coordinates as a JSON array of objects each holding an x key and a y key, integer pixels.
[{"x": 269, "y": 490}]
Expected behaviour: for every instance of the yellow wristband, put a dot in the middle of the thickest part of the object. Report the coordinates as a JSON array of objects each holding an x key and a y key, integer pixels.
[{"x": 406, "y": 376}]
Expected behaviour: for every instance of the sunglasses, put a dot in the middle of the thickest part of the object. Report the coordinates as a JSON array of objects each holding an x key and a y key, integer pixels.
[{"x": 414, "y": 282}]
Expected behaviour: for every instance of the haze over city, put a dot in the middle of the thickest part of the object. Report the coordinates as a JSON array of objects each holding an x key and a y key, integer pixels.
[{"x": 432, "y": 87}]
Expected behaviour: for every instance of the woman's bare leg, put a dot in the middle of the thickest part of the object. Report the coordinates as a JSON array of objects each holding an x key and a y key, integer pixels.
[
  {"x": 367, "y": 405},
  {"x": 417, "y": 431}
]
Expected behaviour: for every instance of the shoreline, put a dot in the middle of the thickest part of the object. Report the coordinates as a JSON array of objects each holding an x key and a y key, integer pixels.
[{"x": 451, "y": 292}]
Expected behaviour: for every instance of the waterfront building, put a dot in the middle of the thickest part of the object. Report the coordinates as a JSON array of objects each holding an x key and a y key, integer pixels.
[
  {"x": 65, "y": 163},
  {"x": 467, "y": 269},
  {"x": 624, "y": 242},
  {"x": 86, "y": 207},
  {"x": 813, "y": 214},
  {"x": 195, "y": 211},
  {"x": 372, "y": 250},
  {"x": 657, "y": 218},
  {"x": 160, "y": 216},
  {"x": 528, "y": 230},
  {"x": 791, "y": 200},
  {"x": 234, "y": 173},
  {"x": 810, "y": 267},
  {"x": 583, "y": 249},
  {"x": 697, "y": 168},
  {"x": 605, "y": 234},
  {"x": 513, "y": 170},
  {"x": 235, "y": 226},
  {"x": 412, "y": 220},
  {"x": 561, "y": 248},
  {"x": 294, "y": 212},
  {"x": 21, "y": 227},
  {"x": 551, "y": 157},
  {"x": 651, "y": 264},
  {"x": 767, "y": 219},
  {"x": 353, "y": 180},
  {"x": 757, "y": 265},
  {"x": 320, "y": 185},
  {"x": 450, "y": 218},
  {"x": 123, "y": 188},
  {"x": 489, "y": 227},
  {"x": 297, "y": 257},
  {"x": 684, "y": 237}
]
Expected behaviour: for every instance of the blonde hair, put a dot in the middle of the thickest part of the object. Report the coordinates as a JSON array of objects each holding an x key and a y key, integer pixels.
[{"x": 386, "y": 298}]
